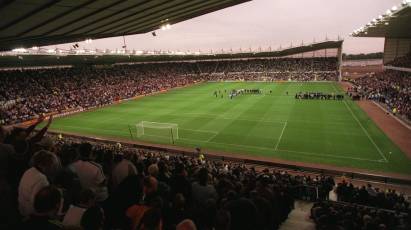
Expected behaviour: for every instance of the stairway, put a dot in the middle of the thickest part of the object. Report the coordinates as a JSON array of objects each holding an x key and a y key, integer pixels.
[{"x": 299, "y": 218}]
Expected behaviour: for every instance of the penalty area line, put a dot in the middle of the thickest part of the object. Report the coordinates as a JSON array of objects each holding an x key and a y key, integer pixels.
[
  {"x": 331, "y": 156},
  {"x": 283, "y": 150},
  {"x": 281, "y": 136}
]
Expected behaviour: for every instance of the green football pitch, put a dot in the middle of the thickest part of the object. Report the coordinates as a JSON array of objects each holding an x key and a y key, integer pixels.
[{"x": 269, "y": 125}]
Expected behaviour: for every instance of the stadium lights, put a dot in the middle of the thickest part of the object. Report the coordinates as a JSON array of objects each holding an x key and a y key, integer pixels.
[
  {"x": 51, "y": 51},
  {"x": 394, "y": 8},
  {"x": 165, "y": 27},
  {"x": 88, "y": 41},
  {"x": 388, "y": 12},
  {"x": 35, "y": 48},
  {"x": 406, "y": 2},
  {"x": 19, "y": 50}
]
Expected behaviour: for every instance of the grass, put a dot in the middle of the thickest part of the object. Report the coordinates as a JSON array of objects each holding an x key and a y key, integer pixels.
[{"x": 271, "y": 125}]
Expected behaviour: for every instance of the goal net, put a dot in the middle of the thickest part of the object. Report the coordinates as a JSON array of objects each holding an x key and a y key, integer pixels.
[{"x": 157, "y": 129}]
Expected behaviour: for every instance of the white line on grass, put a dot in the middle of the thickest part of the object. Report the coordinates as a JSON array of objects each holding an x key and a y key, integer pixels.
[
  {"x": 332, "y": 156},
  {"x": 235, "y": 145},
  {"x": 200, "y": 130},
  {"x": 366, "y": 132},
  {"x": 281, "y": 136},
  {"x": 216, "y": 116},
  {"x": 282, "y": 150}
]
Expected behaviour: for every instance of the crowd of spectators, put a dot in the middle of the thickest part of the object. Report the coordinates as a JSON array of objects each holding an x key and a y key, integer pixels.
[
  {"x": 49, "y": 182},
  {"x": 404, "y": 61},
  {"x": 391, "y": 87},
  {"x": 371, "y": 196},
  {"x": 344, "y": 216},
  {"x": 25, "y": 94}
]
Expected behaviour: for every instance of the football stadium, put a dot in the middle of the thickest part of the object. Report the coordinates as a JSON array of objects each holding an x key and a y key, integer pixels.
[{"x": 299, "y": 136}]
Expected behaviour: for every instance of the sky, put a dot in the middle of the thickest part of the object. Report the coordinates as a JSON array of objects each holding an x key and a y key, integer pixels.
[{"x": 263, "y": 24}]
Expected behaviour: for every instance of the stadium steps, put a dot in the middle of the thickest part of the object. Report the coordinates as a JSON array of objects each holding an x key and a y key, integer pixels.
[{"x": 299, "y": 218}]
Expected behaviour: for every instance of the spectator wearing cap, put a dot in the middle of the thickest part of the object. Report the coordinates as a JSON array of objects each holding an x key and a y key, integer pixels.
[
  {"x": 90, "y": 173},
  {"x": 45, "y": 164}
]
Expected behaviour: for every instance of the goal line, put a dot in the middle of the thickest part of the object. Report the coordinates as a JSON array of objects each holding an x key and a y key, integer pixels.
[{"x": 151, "y": 128}]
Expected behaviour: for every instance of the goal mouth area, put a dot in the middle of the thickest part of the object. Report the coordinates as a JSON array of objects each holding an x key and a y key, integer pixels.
[{"x": 160, "y": 129}]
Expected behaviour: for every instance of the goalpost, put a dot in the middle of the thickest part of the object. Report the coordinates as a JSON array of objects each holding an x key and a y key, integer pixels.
[{"x": 158, "y": 129}]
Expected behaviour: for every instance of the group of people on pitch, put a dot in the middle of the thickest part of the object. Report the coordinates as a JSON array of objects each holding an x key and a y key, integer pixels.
[{"x": 319, "y": 96}]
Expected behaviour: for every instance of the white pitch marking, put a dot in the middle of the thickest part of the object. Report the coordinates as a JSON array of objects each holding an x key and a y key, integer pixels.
[
  {"x": 332, "y": 156},
  {"x": 200, "y": 130},
  {"x": 281, "y": 136},
  {"x": 366, "y": 132},
  {"x": 279, "y": 150}
]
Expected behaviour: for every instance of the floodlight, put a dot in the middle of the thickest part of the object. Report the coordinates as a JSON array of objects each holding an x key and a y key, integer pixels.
[
  {"x": 394, "y": 8},
  {"x": 19, "y": 50},
  {"x": 388, "y": 12}
]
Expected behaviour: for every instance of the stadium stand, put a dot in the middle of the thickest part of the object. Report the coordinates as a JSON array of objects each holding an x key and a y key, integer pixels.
[
  {"x": 391, "y": 87},
  {"x": 404, "y": 61},
  {"x": 26, "y": 94}
]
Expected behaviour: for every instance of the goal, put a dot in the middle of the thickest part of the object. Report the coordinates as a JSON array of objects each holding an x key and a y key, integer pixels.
[{"x": 157, "y": 129}]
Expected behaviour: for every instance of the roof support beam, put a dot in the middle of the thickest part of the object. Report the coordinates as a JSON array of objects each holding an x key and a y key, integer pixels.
[
  {"x": 130, "y": 15},
  {"x": 31, "y": 13},
  {"x": 56, "y": 17},
  {"x": 5, "y": 3},
  {"x": 141, "y": 27},
  {"x": 154, "y": 16},
  {"x": 94, "y": 21}
]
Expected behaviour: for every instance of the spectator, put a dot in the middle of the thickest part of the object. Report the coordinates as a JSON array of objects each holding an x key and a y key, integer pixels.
[
  {"x": 47, "y": 204},
  {"x": 74, "y": 214},
  {"x": 45, "y": 164},
  {"x": 122, "y": 169},
  {"x": 90, "y": 173},
  {"x": 93, "y": 218},
  {"x": 186, "y": 224},
  {"x": 201, "y": 190}
]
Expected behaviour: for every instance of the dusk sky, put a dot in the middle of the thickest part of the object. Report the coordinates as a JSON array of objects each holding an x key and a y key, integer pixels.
[{"x": 264, "y": 23}]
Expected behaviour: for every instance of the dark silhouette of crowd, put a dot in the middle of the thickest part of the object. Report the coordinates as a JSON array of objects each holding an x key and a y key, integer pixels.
[
  {"x": 51, "y": 182},
  {"x": 344, "y": 216},
  {"x": 404, "y": 61},
  {"x": 372, "y": 196},
  {"x": 391, "y": 87},
  {"x": 26, "y": 94}
]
